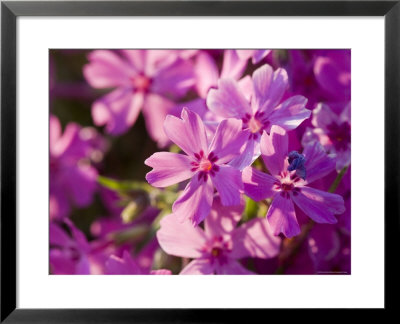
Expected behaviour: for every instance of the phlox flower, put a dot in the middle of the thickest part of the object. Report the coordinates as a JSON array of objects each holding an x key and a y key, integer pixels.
[
  {"x": 262, "y": 111},
  {"x": 72, "y": 178},
  {"x": 147, "y": 80},
  {"x": 333, "y": 132},
  {"x": 206, "y": 163},
  {"x": 217, "y": 248},
  {"x": 126, "y": 265},
  {"x": 288, "y": 188}
]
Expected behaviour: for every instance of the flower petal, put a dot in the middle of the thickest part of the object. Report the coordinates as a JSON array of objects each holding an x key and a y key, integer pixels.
[
  {"x": 180, "y": 238},
  {"x": 259, "y": 55},
  {"x": 232, "y": 65},
  {"x": 291, "y": 113},
  {"x": 222, "y": 220},
  {"x": 107, "y": 70},
  {"x": 137, "y": 58},
  {"x": 269, "y": 87},
  {"x": 282, "y": 217},
  {"x": 232, "y": 267},
  {"x": 255, "y": 239},
  {"x": 318, "y": 164},
  {"x": 54, "y": 130},
  {"x": 274, "y": 150},
  {"x": 333, "y": 77},
  {"x": 188, "y": 132},
  {"x": 161, "y": 272},
  {"x": 81, "y": 181},
  {"x": 195, "y": 202},
  {"x": 155, "y": 109},
  {"x": 249, "y": 154},
  {"x": 228, "y": 101},
  {"x": 122, "y": 266},
  {"x": 257, "y": 185},
  {"x": 174, "y": 80},
  {"x": 324, "y": 116},
  {"x": 206, "y": 73},
  {"x": 168, "y": 169},
  {"x": 228, "y": 140},
  {"x": 319, "y": 205},
  {"x": 228, "y": 182},
  {"x": 118, "y": 110},
  {"x": 198, "y": 267}
]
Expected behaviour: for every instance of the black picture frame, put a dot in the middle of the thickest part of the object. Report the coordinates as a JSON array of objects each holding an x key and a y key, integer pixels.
[{"x": 11, "y": 10}]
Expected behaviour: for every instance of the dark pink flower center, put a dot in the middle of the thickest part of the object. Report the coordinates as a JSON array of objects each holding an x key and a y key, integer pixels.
[
  {"x": 256, "y": 124},
  {"x": 287, "y": 183},
  {"x": 217, "y": 250},
  {"x": 205, "y": 165},
  {"x": 141, "y": 83}
]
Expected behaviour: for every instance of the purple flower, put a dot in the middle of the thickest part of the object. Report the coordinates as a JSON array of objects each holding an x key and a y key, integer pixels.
[
  {"x": 142, "y": 79},
  {"x": 71, "y": 175},
  {"x": 216, "y": 249},
  {"x": 205, "y": 163},
  {"x": 333, "y": 132},
  {"x": 262, "y": 111},
  {"x": 287, "y": 188}
]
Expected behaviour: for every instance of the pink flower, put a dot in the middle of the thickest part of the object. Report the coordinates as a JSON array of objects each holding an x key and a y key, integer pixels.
[
  {"x": 142, "y": 79},
  {"x": 205, "y": 163},
  {"x": 333, "y": 132},
  {"x": 217, "y": 248},
  {"x": 262, "y": 111},
  {"x": 288, "y": 188},
  {"x": 72, "y": 178}
]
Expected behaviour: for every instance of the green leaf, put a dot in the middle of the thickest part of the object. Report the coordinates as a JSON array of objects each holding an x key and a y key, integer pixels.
[{"x": 251, "y": 209}]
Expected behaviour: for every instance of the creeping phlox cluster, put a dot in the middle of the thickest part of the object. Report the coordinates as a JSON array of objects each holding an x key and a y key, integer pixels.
[{"x": 249, "y": 173}]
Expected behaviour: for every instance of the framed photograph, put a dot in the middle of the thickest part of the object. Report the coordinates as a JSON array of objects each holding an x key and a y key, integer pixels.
[{"x": 192, "y": 155}]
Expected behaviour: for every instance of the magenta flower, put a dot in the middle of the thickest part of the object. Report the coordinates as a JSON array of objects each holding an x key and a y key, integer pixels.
[
  {"x": 142, "y": 79},
  {"x": 262, "y": 111},
  {"x": 205, "y": 163},
  {"x": 72, "y": 178},
  {"x": 217, "y": 248},
  {"x": 288, "y": 188},
  {"x": 128, "y": 266},
  {"x": 333, "y": 132}
]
